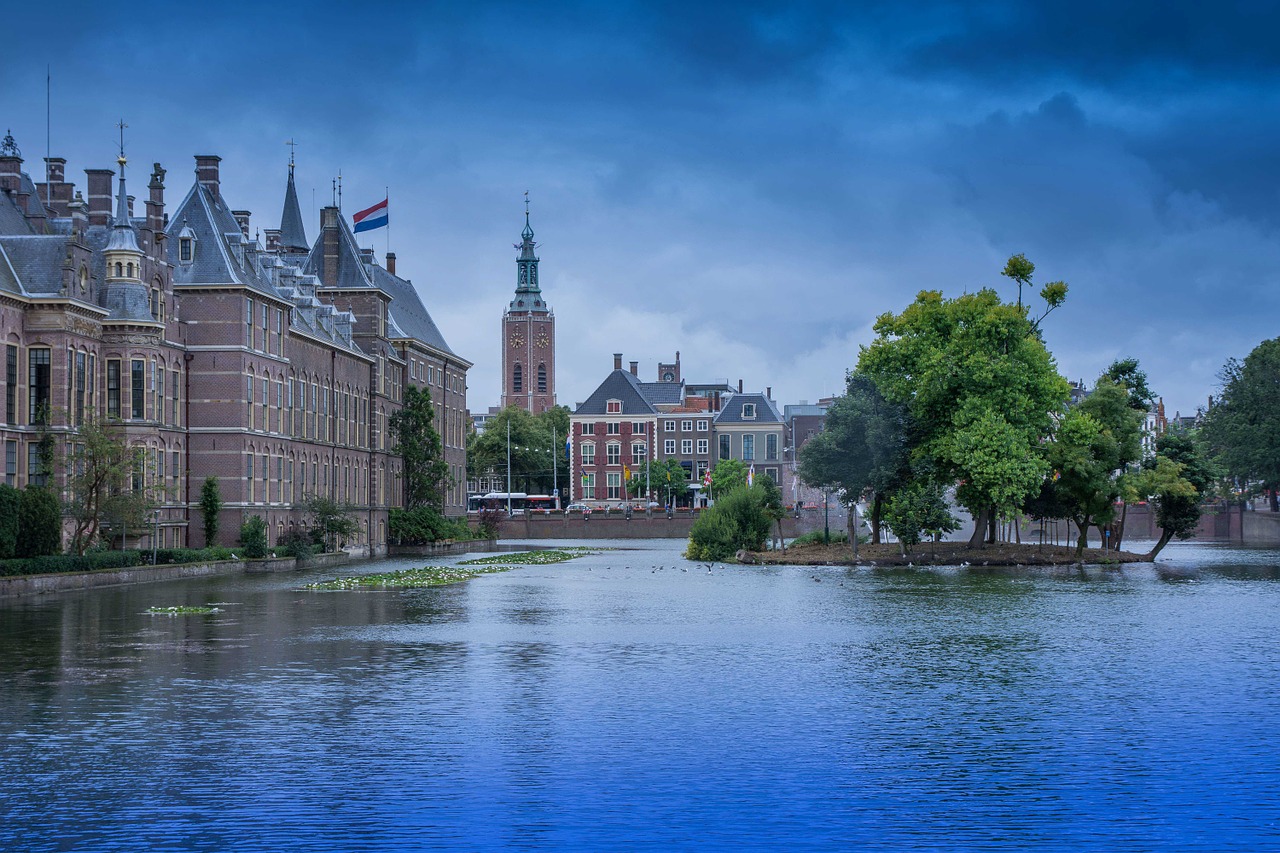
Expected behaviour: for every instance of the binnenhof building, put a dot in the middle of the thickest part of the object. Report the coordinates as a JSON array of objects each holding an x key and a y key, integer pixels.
[{"x": 274, "y": 367}]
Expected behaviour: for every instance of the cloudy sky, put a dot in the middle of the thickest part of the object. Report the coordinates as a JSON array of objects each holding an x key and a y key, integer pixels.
[{"x": 749, "y": 183}]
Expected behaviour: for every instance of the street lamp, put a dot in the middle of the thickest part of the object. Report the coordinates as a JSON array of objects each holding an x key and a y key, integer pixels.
[{"x": 155, "y": 534}]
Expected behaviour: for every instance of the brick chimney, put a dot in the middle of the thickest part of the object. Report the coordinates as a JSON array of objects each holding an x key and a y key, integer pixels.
[
  {"x": 635, "y": 368},
  {"x": 273, "y": 239},
  {"x": 329, "y": 234},
  {"x": 768, "y": 392},
  {"x": 617, "y": 361},
  {"x": 739, "y": 386},
  {"x": 242, "y": 219},
  {"x": 99, "y": 185},
  {"x": 391, "y": 262},
  {"x": 10, "y": 174},
  {"x": 155, "y": 202},
  {"x": 55, "y": 191},
  {"x": 207, "y": 172}
]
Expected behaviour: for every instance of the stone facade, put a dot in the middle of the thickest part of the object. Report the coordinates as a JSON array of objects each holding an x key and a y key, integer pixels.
[{"x": 275, "y": 369}]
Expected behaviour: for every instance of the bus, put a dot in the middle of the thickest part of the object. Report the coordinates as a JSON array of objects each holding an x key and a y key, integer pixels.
[{"x": 519, "y": 502}]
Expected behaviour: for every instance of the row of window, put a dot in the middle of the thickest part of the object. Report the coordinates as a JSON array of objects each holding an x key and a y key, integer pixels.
[
  {"x": 269, "y": 478},
  {"x": 150, "y": 472},
  {"x": 258, "y": 336},
  {"x": 517, "y": 379},
  {"x": 615, "y": 428},
  {"x": 703, "y": 425},
  {"x": 614, "y": 487},
  {"x": 613, "y": 453},
  {"x": 614, "y": 449},
  {"x": 144, "y": 378}
]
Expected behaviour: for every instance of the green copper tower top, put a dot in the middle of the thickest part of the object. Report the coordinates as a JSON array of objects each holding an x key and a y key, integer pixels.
[{"x": 528, "y": 295}]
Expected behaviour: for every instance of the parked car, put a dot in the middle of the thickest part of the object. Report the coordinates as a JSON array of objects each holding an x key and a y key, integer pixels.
[{"x": 581, "y": 509}]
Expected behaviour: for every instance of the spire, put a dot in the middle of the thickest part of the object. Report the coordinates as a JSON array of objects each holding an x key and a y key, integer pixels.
[
  {"x": 293, "y": 237},
  {"x": 122, "y": 236},
  {"x": 528, "y": 294}
]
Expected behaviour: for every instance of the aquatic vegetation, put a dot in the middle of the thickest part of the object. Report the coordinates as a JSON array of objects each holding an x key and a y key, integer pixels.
[
  {"x": 532, "y": 558},
  {"x": 408, "y": 578},
  {"x": 182, "y": 610}
]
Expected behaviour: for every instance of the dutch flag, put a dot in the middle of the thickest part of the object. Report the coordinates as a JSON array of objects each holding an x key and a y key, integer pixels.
[{"x": 371, "y": 217}]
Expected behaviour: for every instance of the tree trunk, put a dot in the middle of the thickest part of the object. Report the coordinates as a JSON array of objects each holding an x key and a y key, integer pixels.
[
  {"x": 1124, "y": 516},
  {"x": 851, "y": 522},
  {"x": 1165, "y": 536},
  {"x": 1082, "y": 541},
  {"x": 980, "y": 528},
  {"x": 877, "y": 504},
  {"x": 1275, "y": 500},
  {"x": 1017, "y": 527},
  {"x": 991, "y": 526}
]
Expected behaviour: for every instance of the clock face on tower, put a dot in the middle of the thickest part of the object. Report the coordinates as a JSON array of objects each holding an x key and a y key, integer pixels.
[
  {"x": 668, "y": 377},
  {"x": 543, "y": 340},
  {"x": 517, "y": 340}
]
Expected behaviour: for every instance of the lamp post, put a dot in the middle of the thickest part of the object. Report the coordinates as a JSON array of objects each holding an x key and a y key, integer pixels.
[
  {"x": 826, "y": 520},
  {"x": 155, "y": 534},
  {"x": 508, "y": 468}
]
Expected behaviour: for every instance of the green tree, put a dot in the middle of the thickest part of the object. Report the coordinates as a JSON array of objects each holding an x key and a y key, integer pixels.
[
  {"x": 668, "y": 479},
  {"x": 1175, "y": 481},
  {"x": 39, "y": 523},
  {"x": 210, "y": 507},
  {"x": 1090, "y": 452},
  {"x": 417, "y": 442},
  {"x": 533, "y": 456},
  {"x": 727, "y": 476},
  {"x": 253, "y": 537},
  {"x": 919, "y": 509},
  {"x": 331, "y": 522},
  {"x": 771, "y": 504},
  {"x": 980, "y": 389},
  {"x": 101, "y": 470},
  {"x": 738, "y": 521},
  {"x": 863, "y": 445},
  {"x": 1242, "y": 429},
  {"x": 1127, "y": 373}
]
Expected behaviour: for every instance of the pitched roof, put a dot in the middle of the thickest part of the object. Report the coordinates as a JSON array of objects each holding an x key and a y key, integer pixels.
[
  {"x": 292, "y": 233},
  {"x": 618, "y": 385},
  {"x": 36, "y": 260},
  {"x": 731, "y": 410},
  {"x": 12, "y": 219},
  {"x": 663, "y": 393},
  {"x": 222, "y": 253}
]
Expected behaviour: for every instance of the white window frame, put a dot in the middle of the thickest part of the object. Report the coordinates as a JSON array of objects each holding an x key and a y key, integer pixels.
[
  {"x": 704, "y": 446},
  {"x": 669, "y": 447}
]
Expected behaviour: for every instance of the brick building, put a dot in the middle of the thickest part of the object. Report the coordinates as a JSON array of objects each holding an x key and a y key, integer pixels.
[
  {"x": 528, "y": 336},
  {"x": 275, "y": 369}
]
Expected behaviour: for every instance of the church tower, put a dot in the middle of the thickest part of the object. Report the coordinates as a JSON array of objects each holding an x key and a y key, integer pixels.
[{"x": 528, "y": 335}]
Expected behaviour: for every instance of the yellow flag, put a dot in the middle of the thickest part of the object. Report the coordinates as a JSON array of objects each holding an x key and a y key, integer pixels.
[{"x": 626, "y": 473}]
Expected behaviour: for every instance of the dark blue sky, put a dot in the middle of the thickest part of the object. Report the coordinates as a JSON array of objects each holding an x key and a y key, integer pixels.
[{"x": 750, "y": 183}]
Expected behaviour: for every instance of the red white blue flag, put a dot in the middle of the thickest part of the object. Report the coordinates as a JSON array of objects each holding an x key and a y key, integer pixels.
[{"x": 371, "y": 217}]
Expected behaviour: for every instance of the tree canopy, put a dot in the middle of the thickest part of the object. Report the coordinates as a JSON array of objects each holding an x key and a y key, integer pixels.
[
  {"x": 537, "y": 449},
  {"x": 1242, "y": 429},
  {"x": 426, "y": 474}
]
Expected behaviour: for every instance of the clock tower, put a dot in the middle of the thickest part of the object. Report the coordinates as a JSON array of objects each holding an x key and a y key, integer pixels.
[{"x": 528, "y": 335}]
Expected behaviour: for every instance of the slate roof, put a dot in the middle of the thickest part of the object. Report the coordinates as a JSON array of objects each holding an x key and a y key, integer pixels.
[
  {"x": 618, "y": 385},
  {"x": 12, "y": 220},
  {"x": 222, "y": 254},
  {"x": 663, "y": 393},
  {"x": 9, "y": 282},
  {"x": 292, "y": 233},
  {"x": 125, "y": 301},
  {"x": 351, "y": 270},
  {"x": 731, "y": 410},
  {"x": 36, "y": 260}
]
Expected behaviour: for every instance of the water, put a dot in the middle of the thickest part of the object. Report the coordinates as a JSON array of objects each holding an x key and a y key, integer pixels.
[{"x": 603, "y": 705}]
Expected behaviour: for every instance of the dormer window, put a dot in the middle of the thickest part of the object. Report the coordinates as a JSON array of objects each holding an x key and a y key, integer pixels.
[
  {"x": 613, "y": 407},
  {"x": 186, "y": 245},
  {"x": 748, "y": 411}
]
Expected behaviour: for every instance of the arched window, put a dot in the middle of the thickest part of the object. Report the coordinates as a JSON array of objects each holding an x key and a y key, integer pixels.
[
  {"x": 542, "y": 379},
  {"x": 119, "y": 269},
  {"x": 517, "y": 379},
  {"x": 130, "y": 269}
]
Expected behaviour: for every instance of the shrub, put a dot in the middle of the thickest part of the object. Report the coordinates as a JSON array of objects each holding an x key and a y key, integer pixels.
[
  {"x": 298, "y": 543},
  {"x": 738, "y": 521},
  {"x": 51, "y": 564},
  {"x": 10, "y": 500},
  {"x": 489, "y": 523},
  {"x": 253, "y": 537},
  {"x": 169, "y": 556},
  {"x": 816, "y": 538},
  {"x": 425, "y": 524},
  {"x": 39, "y": 523}
]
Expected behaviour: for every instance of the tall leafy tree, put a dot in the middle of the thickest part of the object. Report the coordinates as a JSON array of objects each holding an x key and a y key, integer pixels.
[
  {"x": 863, "y": 445},
  {"x": 981, "y": 391},
  {"x": 1175, "y": 481},
  {"x": 210, "y": 507},
  {"x": 533, "y": 455},
  {"x": 101, "y": 470},
  {"x": 426, "y": 474},
  {"x": 1242, "y": 430}
]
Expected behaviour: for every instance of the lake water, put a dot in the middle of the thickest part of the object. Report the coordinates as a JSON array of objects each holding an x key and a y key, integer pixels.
[{"x": 603, "y": 704}]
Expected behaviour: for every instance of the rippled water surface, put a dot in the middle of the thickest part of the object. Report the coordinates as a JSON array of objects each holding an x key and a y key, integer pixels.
[{"x": 607, "y": 704}]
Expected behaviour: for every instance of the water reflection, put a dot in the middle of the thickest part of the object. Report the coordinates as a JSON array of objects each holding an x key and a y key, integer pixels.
[{"x": 607, "y": 704}]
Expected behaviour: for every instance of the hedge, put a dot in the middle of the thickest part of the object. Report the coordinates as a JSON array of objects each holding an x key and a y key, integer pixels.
[{"x": 94, "y": 560}]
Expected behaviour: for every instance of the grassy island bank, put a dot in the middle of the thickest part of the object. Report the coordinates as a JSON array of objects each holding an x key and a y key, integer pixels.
[{"x": 943, "y": 554}]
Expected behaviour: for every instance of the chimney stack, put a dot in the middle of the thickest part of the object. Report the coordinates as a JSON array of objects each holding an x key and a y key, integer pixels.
[
  {"x": 739, "y": 386},
  {"x": 99, "y": 186},
  {"x": 242, "y": 219},
  {"x": 273, "y": 239},
  {"x": 129, "y": 205},
  {"x": 617, "y": 361},
  {"x": 635, "y": 368},
  {"x": 207, "y": 172},
  {"x": 329, "y": 234},
  {"x": 768, "y": 392},
  {"x": 391, "y": 262},
  {"x": 155, "y": 202},
  {"x": 56, "y": 169}
]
